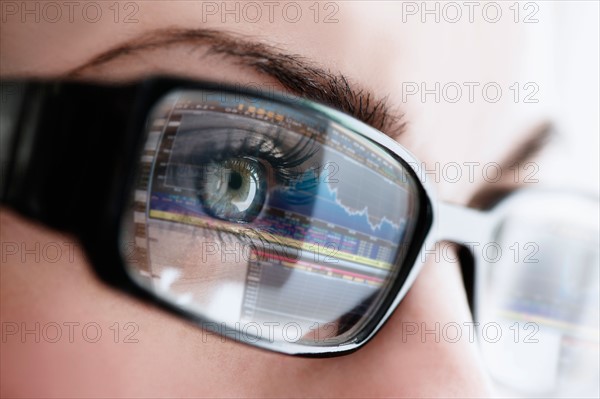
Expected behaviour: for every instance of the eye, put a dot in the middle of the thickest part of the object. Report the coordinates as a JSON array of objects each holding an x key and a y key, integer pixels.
[{"x": 234, "y": 190}]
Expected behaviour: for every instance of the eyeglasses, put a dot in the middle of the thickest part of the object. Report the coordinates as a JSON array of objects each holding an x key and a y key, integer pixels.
[{"x": 269, "y": 219}]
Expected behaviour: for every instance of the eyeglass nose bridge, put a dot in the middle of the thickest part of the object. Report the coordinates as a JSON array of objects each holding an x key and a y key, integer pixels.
[
  {"x": 471, "y": 229},
  {"x": 462, "y": 225}
]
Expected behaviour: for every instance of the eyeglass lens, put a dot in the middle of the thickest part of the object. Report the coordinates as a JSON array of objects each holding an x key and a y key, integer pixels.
[{"x": 269, "y": 217}]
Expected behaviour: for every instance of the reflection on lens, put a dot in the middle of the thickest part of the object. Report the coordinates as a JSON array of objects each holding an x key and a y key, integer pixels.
[
  {"x": 543, "y": 296},
  {"x": 276, "y": 222}
]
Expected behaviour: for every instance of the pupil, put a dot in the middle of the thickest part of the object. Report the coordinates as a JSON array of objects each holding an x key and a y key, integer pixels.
[{"x": 235, "y": 181}]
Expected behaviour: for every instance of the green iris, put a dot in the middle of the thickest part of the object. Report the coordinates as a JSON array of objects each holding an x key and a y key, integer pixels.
[{"x": 234, "y": 190}]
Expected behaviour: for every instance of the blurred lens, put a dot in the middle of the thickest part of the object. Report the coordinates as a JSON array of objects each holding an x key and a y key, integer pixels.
[
  {"x": 542, "y": 296},
  {"x": 272, "y": 220}
]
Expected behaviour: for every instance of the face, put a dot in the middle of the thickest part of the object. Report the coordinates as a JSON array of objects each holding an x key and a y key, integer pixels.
[{"x": 143, "y": 351}]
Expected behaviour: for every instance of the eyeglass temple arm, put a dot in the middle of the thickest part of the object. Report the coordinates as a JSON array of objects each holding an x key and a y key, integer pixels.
[{"x": 63, "y": 145}]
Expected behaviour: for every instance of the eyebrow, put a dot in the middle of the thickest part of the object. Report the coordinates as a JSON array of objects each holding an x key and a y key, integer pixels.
[
  {"x": 489, "y": 195},
  {"x": 293, "y": 72},
  {"x": 304, "y": 78}
]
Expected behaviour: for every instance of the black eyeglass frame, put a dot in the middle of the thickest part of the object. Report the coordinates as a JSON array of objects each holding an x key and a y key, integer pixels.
[{"x": 73, "y": 167}]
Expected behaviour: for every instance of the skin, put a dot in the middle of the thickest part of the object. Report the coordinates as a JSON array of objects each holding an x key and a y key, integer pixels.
[{"x": 175, "y": 358}]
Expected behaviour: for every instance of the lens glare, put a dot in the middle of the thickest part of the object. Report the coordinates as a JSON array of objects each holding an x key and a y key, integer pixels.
[{"x": 273, "y": 220}]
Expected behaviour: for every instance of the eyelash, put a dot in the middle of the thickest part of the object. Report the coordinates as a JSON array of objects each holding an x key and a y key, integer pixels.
[{"x": 283, "y": 164}]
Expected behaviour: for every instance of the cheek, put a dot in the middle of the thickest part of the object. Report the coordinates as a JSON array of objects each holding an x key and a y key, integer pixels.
[
  {"x": 417, "y": 353},
  {"x": 71, "y": 334}
]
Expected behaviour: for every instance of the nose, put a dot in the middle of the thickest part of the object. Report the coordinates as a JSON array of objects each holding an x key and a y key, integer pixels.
[{"x": 429, "y": 347}]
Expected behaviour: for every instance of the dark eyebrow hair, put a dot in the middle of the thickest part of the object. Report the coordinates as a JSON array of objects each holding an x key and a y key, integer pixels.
[
  {"x": 489, "y": 195},
  {"x": 294, "y": 72}
]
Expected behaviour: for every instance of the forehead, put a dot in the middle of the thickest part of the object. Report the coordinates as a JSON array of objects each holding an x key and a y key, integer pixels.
[
  {"x": 357, "y": 37},
  {"x": 388, "y": 47}
]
